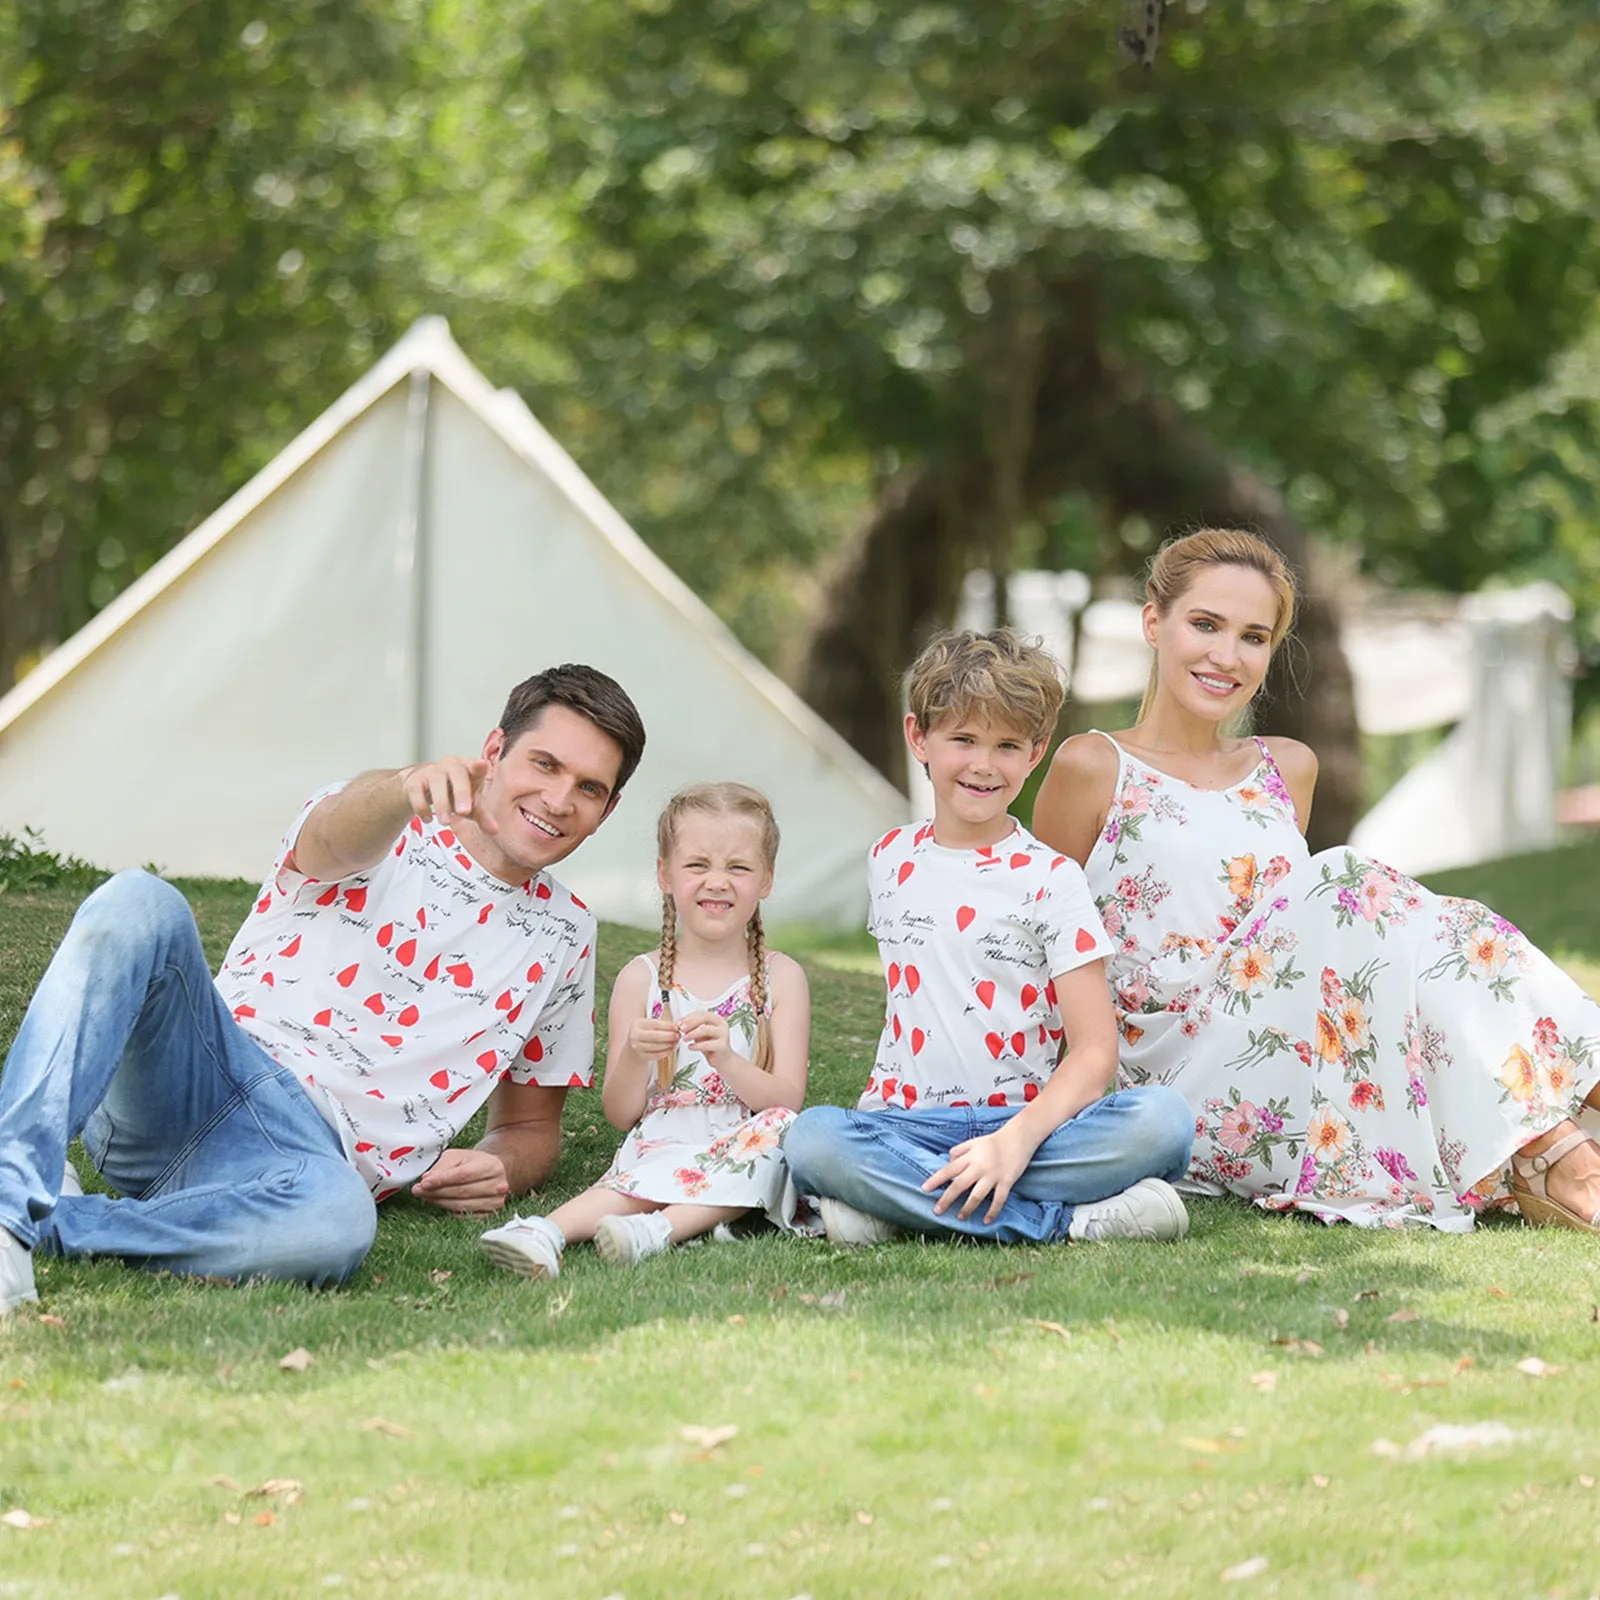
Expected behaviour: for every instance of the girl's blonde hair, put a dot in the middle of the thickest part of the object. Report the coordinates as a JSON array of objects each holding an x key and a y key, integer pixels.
[
  {"x": 720, "y": 800},
  {"x": 1180, "y": 561}
]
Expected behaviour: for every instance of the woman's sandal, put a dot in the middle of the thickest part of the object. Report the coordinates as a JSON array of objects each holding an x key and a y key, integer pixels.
[{"x": 1529, "y": 1177}]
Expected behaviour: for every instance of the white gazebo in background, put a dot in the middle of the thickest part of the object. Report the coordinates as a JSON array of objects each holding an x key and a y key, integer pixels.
[
  {"x": 1494, "y": 665},
  {"x": 366, "y": 600}
]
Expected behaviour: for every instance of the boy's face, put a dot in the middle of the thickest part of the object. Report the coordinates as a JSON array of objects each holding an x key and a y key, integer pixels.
[{"x": 977, "y": 769}]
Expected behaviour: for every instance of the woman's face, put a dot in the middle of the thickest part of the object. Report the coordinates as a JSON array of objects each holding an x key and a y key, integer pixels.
[{"x": 1214, "y": 644}]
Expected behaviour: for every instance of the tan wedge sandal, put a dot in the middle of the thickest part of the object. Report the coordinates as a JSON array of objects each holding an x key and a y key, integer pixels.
[{"x": 1529, "y": 1177}]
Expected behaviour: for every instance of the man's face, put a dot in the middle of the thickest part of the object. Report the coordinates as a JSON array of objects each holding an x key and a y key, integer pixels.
[{"x": 546, "y": 792}]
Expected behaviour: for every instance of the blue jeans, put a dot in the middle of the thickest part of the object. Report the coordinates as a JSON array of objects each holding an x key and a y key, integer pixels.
[
  {"x": 877, "y": 1161},
  {"x": 226, "y": 1167}
]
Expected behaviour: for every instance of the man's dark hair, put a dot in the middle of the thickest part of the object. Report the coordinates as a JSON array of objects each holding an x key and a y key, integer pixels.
[{"x": 591, "y": 694}]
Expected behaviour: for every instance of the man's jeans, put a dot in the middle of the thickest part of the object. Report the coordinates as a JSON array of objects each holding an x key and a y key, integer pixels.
[
  {"x": 227, "y": 1168},
  {"x": 877, "y": 1161}
]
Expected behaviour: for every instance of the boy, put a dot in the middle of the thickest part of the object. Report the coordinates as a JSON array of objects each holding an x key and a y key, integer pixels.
[{"x": 986, "y": 1113}]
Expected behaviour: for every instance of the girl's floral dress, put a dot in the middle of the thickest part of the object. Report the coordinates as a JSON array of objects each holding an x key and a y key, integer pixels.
[
  {"x": 697, "y": 1141},
  {"x": 1353, "y": 1045}
]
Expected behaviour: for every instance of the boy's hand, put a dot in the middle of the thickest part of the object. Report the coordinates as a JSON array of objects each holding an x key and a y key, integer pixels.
[
  {"x": 653, "y": 1037},
  {"x": 706, "y": 1032},
  {"x": 980, "y": 1167}
]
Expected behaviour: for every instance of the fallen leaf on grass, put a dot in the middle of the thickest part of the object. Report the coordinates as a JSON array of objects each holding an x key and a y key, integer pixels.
[
  {"x": 1462, "y": 1365},
  {"x": 1253, "y": 1568},
  {"x": 1341, "y": 1318},
  {"x": 297, "y": 1360},
  {"x": 735, "y": 1321},
  {"x": 826, "y": 1302},
  {"x": 780, "y": 1293},
  {"x": 1404, "y": 1314},
  {"x": 232, "y": 1518},
  {"x": 865, "y": 1518},
  {"x": 1300, "y": 1347},
  {"x": 1009, "y": 1280},
  {"x": 223, "y": 1481},
  {"x": 1320, "y": 1480},
  {"x": 290, "y": 1490},
  {"x": 51, "y": 1320},
  {"x": 677, "y": 1518},
  {"x": 24, "y": 1520},
  {"x": 1447, "y": 1438},
  {"x": 1585, "y": 1481},
  {"x": 1498, "y": 1293},
  {"x": 395, "y": 1430},
  {"x": 1048, "y": 1327},
  {"x": 264, "y": 1519},
  {"x": 707, "y": 1438},
  {"x": 1211, "y": 1447},
  {"x": 1368, "y": 1294},
  {"x": 1111, "y": 1328},
  {"x": 1265, "y": 1382},
  {"x": 1535, "y": 1368},
  {"x": 440, "y": 1275},
  {"x": 1305, "y": 1275}
]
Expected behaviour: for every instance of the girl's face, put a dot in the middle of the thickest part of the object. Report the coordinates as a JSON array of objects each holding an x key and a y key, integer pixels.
[
  {"x": 1214, "y": 645},
  {"x": 715, "y": 874}
]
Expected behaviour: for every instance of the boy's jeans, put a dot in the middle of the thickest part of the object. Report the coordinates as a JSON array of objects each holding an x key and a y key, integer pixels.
[
  {"x": 227, "y": 1166},
  {"x": 877, "y": 1161}
]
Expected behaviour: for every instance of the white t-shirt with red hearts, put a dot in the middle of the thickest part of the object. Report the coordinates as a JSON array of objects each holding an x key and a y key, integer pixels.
[
  {"x": 970, "y": 941},
  {"x": 402, "y": 995}
]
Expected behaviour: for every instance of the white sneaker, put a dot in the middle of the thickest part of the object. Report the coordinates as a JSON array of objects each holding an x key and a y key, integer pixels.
[
  {"x": 526, "y": 1246},
  {"x": 16, "y": 1274},
  {"x": 1151, "y": 1209},
  {"x": 71, "y": 1183},
  {"x": 845, "y": 1225},
  {"x": 632, "y": 1237}
]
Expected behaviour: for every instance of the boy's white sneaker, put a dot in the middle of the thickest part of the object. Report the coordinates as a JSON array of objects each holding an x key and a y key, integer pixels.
[
  {"x": 16, "y": 1274},
  {"x": 526, "y": 1246},
  {"x": 631, "y": 1237},
  {"x": 843, "y": 1224},
  {"x": 1151, "y": 1209}
]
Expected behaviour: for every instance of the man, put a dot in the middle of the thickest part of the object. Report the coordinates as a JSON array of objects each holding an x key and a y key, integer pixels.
[{"x": 408, "y": 960}]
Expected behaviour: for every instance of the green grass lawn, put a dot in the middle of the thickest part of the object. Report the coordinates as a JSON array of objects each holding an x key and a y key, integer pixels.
[{"x": 919, "y": 1420}]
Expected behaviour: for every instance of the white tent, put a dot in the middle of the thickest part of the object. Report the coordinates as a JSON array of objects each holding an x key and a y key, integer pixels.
[{"x": 365, "y": 601}]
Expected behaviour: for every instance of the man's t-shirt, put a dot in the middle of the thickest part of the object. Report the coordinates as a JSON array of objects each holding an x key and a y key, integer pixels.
[
  {"x": 970, "y": 940},
  {"x": 402, "y": 995}
]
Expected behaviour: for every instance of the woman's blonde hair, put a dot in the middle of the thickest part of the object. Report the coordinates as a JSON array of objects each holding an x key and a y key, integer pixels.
[
  {"x": 1180, "y": 561},
  {"x": 720, "y": 800}
]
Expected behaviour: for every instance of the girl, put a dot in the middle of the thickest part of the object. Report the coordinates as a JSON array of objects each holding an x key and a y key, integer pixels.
[
  {"x": 1352, "y": 1045},
  {"x": 706, "y": 1062}
]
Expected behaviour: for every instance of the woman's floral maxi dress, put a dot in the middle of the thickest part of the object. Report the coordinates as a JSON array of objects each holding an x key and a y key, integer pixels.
[
  {"x": 697, "y": 1142},
  {"x": 1353, "y": 1045}
]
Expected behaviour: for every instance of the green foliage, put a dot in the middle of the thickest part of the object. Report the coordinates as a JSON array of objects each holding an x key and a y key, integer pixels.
[{"x": 25, "y": 865}]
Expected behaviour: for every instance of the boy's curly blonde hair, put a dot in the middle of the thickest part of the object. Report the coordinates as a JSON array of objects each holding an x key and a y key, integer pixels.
[{"x": 998, "y": 678}]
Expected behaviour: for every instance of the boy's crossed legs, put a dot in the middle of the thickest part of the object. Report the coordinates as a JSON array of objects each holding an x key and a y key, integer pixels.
[{"x": 877, "y": 1162}]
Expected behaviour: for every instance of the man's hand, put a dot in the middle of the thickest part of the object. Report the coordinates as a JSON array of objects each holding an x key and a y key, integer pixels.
[
  {"x": 706, "y": 1032},
  {"x": 464, "y": 1180},
  {"x": 979, "y": 1168},
  {"x": 448, "y": 787}
]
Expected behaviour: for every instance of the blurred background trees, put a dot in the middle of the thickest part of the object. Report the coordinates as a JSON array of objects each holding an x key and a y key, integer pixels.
[{"x": 837, "y": 300}]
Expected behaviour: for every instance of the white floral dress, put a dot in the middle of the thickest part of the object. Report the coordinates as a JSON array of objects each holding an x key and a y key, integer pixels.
[
  {"x": 697, "y": 1142},
  {"x": 1353, "y": 1045}
]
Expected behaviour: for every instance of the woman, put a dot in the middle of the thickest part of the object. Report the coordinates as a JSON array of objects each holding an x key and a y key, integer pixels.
[{"x": 1353, "y": 1045}]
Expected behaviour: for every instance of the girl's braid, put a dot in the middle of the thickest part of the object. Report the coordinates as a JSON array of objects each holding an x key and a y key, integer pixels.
[
  {"x": 669, "y": 958},
  {"x": 756, "y": 938}
]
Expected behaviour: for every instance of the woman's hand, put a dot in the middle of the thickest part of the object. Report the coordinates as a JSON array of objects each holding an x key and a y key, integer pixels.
[{"x": 979, "y": 1168}]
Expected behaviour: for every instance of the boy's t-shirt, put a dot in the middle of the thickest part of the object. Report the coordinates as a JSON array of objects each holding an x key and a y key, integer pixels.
[
  {"x": 400, "y": 996},
  {"x": 970, "y": 940}
]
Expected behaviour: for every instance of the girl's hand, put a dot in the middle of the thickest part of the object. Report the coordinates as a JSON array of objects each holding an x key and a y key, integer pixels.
[
  {"x": 979, "y": 1168},
  {"x": 706, "y": 1032},
  {"x": 653, "y": 1037}
]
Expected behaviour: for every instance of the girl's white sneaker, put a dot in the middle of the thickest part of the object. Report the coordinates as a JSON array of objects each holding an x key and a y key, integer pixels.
[
  {"x": 526, "y": 1246},
  {"x": 624, "y": 1240}
]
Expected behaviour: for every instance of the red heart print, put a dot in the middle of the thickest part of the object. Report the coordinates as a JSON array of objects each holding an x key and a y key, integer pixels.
[
  {"x": 997, "y": 1099},
  {"x": 985, "y": 992},
  {"x": 375, "y": 1094},
  {"x": 392, "y": 1039},
  {"x": 447, "y": 838},
  {"x": 489, "y": 1060},
  {"x": 894, "y": 1023},
  {"x": 906, "y": 869},
  {"x": 292, "y": 948},
  {"x": 577, "y": 902},
  {"x": 431, "y": 971},
  {"x": 894, "y": 974},
  {"x": 374, "y": 1004},
  {"x": 356, "y": 900},
  {"x": 918, "y": 1039},
  {"x": 503, "y": 1001},
  {"x": 400, "y": 845},
  {"x": 1057, "y": 861},
  {"x": 456, "y": 1094},
  {"x": 1029, "y": 995},
  {"x": 995, "y": 1043},
  {"x": 535, "y": 972},
  {"x": 913, "y": 979},
  {"x": 964, "y": 916},
  {"x": 263, "y": 902},
  {"x": 484, "y": 914},
  {"x": 533, "y": 1050},
  {"x": 422, "y": 917},
  {"x": 406, "y": 953},
  {"x": 576, "y": 1081},
  {"x": 269, "y": 980},
  {"x": 516, "y": 1011},
  {"x": 1050, "y": 994},
  {"x": 908, "y": 1093},
  {"x": 416, "y": 824},
  {"x": 1085, "y": 940},
  {"x": 462, "y": 973},
  {"x": 385, "y": 934},
  {"x": 889, "y": 1087},
  {"x": 323, "y": 1018},
  {"x": 408, "y": 1017},
  {"x": 241, "y": 1012},
  {"x": 404, "y": 1150},
  {"x": 464, "y": 859},
  {"x": 872, "y": 1086},
  {"x": 348, "y": 976},
  {"x": 328, "y": 896},
  {"x": 542, "y": 889},
  {"x": 924, "y": 832},
  {"x": 1020, "y": 859},
  {"x": 887, "y": 840},
  {"x": 1019, "y": 1042},
  {"x": 1030, "y": 1091},
  {"x": 364, "y": 1146}
]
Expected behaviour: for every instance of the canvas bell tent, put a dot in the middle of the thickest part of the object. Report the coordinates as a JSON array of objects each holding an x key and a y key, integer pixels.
[{"x": 365, "y": 601}]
